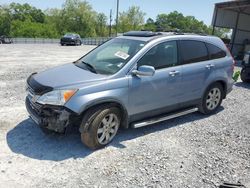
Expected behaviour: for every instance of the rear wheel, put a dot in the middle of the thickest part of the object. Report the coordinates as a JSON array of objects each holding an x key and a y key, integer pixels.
[
  {"x": 101, "y": 126},
  {"x": 243, "y": 75},
  {"x": 212, "y": 99},
  {"x": 78, "y": 43}
]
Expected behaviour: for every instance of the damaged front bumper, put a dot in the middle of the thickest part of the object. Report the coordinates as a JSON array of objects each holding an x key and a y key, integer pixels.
[{"x": 56, "y": 118}]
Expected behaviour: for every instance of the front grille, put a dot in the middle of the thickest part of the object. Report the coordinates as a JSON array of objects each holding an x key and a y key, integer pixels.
[
  {"x": 67, "y": 40},
  {"x": 32, "y": 111},
  {"x": 37, "y": 106},
  {"x": 30, "y": 91}
]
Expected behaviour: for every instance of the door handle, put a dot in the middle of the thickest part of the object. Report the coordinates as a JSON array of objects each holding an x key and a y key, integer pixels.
[
  {"x": 174, "y": 73},
  {"x": 209, "y": 66}
]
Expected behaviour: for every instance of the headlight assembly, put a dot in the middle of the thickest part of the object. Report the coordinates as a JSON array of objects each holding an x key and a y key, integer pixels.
[{"x": 56, "y": 97}]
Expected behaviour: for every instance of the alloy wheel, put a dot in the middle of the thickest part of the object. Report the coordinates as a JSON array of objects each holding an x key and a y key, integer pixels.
[
  {"x": 107, "y": 128},
  {"x": 213, "y": 98}
]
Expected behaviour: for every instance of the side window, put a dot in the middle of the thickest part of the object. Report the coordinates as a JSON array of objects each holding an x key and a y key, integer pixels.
[
  {"x": 215, "y": 52},
  {"x": 161, "y": 56},
  {"x": 193, "y": 51}
]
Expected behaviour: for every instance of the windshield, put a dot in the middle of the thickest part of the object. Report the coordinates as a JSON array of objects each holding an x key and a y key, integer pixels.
[
  {"x": 69, "y": 35},
  {"x": 110, "y": 57}
]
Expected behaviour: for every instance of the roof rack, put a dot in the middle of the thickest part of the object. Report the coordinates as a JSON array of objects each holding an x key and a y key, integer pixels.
[
  {"x": 154, "y": 34},
  {"x": 142, "y": 33}
]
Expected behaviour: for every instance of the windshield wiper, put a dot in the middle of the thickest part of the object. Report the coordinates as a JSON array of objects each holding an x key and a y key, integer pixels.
[{"x": 90, "y": 67}]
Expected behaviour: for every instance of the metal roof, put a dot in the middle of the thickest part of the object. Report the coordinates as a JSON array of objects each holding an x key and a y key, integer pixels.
[{"x": 242, "y": 6}]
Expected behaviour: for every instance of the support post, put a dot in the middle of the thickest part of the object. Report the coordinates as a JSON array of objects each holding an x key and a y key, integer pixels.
[
  {"x": 215, "y": 20},
  {"x": 110, "y": 23},
  {"x": 117, "y": 17},
  {"x": 235, "y": 31}
]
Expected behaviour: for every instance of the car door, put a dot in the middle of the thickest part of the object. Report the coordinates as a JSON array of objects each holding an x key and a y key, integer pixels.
[
  {"x": 152, "y": 95},
  {"x": 196, "y": 69}
]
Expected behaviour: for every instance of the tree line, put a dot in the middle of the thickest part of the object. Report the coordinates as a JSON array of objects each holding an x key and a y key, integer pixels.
[{"x": 24, "y": 20}]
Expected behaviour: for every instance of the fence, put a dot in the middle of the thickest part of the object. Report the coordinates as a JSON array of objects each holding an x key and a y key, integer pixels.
[{"x": 85, "y": 41}]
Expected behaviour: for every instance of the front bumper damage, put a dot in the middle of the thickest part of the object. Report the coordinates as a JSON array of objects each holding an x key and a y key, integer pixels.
[{"x": 55, "y": 118}]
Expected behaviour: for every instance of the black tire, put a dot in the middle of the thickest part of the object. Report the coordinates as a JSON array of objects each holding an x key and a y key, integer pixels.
[
  {"x": 243, "y": 75},
  {"x": 92, "y": 122},
  {"x": 206, "y": 107}
]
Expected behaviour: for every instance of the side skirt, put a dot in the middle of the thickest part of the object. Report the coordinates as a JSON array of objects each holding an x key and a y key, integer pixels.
[{"x": 163, "y": 118}]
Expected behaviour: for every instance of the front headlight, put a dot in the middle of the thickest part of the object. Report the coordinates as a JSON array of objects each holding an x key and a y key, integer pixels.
[{"x": 56, "y": 97}]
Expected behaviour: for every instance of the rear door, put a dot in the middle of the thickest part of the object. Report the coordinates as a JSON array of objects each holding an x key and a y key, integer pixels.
[{"x": 196, "y": 69}]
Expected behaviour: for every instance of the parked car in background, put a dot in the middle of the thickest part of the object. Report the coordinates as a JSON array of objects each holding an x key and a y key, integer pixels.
[
  {"x": 5, "y": 40},
  {"x": 134, "y": 80},
  {"x": 71, "y": 39}
]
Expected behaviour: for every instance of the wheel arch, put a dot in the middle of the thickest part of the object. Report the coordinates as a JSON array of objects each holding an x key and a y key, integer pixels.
[
  {"x": 222, "y": 83},
  {"x": 111, "y": 102},
  {"x": 224, "y": 86}
]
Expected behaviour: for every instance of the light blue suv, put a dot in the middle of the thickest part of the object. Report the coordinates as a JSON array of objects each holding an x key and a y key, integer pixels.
[{"x": 134, "y": 80}]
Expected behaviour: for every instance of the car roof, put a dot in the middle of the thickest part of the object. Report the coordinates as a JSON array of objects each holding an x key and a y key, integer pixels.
[{"x": 148, "y": 36}]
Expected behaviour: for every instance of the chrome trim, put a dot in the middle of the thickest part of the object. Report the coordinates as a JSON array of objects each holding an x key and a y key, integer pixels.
[
  {"x": 33, "y": 117},
  {"x": 157, "y": 120}
]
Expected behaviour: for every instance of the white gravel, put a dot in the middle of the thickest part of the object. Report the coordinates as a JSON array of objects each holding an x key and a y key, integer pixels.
[{"x": 190, "y": 151}]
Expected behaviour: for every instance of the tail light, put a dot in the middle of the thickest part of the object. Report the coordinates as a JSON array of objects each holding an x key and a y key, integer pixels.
[{"x": 234, "y": 62}]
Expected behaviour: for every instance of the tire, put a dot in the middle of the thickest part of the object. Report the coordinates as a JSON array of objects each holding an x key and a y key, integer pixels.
[
  {"x": 243, "y": 75},
  {"x": 100, "y": 126},
  {"x": 212, "y": 99}
]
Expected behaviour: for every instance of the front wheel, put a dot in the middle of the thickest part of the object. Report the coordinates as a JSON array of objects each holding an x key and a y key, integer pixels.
[
  {"x": 101, "y": 127},
  {"x": 212, "y": 99}
]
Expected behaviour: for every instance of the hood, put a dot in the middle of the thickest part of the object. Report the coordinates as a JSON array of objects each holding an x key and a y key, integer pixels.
[{"x": 66, "y": 76}]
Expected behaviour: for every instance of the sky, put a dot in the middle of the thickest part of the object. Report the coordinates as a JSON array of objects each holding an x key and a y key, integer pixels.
[{"x": 200, "y": 9}]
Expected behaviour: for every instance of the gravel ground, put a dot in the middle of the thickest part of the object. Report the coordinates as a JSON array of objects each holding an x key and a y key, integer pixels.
[{"x": 190, "y": 151}]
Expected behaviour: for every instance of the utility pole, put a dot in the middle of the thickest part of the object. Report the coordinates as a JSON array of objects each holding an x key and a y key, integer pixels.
[
  {"x": 117, "y": 17},
  {"x": 110, "y": 23}
]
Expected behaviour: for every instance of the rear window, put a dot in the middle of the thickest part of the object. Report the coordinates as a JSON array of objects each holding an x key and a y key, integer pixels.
[
  {"x": 215, "y": 52},
  {"x": 193, "y": 51}
]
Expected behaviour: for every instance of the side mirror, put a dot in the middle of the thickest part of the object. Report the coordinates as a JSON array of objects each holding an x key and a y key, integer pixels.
[{"x": 144, "y": 70}]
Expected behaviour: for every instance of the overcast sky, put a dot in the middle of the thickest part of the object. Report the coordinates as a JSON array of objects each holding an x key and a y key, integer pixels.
[{"x": 201, "y": 9}]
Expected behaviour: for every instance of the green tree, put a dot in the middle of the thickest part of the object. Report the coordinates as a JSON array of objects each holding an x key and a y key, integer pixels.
[
  {"x": 53, "y": 17},
  {"x": 162, "y": 22},
  {"x": 32, "y": 29},
  {"x": 5, "y": 20},
  {"x": 177, "y": 21},
  {"x": 101, "y": 25},
  {"x": 150, "y": 25},
  {"x": 133, "y": 19},
  {"x": 26, "y": 12},
  {"x": 78, "y": 16}
]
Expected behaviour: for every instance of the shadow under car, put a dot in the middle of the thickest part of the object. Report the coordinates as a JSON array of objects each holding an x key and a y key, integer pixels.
[{"x": 29, "y": 140}]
